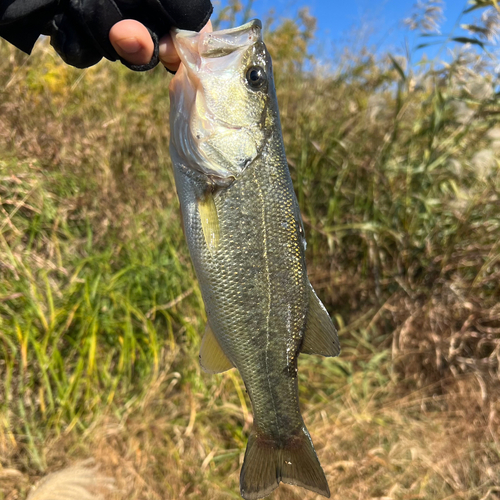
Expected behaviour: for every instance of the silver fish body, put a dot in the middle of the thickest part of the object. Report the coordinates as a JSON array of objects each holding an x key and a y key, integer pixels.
[{"x": 246, "y": 239}]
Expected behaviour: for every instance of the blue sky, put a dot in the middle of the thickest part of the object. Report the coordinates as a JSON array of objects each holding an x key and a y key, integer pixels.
[{"x": 357, "y": 23}]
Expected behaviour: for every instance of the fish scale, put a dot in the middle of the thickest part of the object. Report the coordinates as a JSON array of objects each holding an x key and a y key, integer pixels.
[
  {"x": 246, "y": 240},
  {"x": 246, "y": 285}
]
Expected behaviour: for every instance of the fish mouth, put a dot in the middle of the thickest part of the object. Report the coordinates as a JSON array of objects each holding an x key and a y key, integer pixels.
[{"x": 193, "y": 46}]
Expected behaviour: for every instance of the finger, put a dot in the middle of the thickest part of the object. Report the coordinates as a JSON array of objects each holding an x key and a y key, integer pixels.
[
  {"x": 168, "y": 54},
  {"x": 132, "y": 41}
]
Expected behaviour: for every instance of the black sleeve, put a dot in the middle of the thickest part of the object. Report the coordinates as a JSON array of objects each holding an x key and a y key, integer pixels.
[{"x": 79, "y": 29}]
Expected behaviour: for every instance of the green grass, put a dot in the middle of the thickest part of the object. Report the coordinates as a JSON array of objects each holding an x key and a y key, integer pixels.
[{"x": 101, "y": 315}]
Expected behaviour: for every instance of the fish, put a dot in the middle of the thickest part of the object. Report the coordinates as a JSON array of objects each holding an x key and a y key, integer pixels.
[{"x": 246, "y": 240}]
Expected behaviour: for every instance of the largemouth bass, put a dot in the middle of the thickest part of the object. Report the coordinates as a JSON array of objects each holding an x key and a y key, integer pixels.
[{"x": 246, "y": 239}]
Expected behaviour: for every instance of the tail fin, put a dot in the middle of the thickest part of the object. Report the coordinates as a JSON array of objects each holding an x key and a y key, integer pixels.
[{"x": 267, "y": 462}]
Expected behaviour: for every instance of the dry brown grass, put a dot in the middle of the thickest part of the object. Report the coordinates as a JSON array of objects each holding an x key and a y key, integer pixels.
[
  {"x": 417, "y": 446},
  {"x": 100, "y": 316}
]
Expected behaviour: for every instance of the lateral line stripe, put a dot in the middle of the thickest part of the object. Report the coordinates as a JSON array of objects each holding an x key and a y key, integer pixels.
[{"x": 268, "y": 302}]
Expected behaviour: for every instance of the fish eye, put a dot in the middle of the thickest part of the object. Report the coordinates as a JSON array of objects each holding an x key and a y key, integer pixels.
[{"x": 256, "y": 77}]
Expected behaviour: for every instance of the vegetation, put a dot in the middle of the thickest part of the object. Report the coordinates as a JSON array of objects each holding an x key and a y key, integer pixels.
[{"x": 395, "y": 167}]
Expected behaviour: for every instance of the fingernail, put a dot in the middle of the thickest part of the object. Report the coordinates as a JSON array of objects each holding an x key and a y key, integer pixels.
[{"x": 129, "y": 45}]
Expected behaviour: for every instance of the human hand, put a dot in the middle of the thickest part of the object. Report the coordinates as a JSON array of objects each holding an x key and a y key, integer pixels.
[
  {"x": 83, "y": 32},
  {"x": 132, "y": 42}
]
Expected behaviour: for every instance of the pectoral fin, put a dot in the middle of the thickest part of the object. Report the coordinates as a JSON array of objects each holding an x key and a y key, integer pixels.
[
  {"x": 212, "y": 357},
  {"x": 209, "y": 221},
  {"x": 320, "y": 336}
]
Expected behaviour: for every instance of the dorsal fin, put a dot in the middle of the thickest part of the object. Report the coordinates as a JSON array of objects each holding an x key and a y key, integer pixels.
[
  {"x": 320, "y": 336},
  {"x": 212, "y": 357}
]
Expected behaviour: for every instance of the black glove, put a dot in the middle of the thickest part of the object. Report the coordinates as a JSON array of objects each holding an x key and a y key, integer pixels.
[{"x": 79, "y": 29}]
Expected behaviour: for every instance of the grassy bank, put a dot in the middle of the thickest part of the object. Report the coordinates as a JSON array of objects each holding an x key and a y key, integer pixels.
[{"x": 397, "y": 176}]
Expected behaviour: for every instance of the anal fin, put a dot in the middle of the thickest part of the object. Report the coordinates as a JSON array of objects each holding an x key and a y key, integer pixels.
[
  {"x": 212, "y": 357},
  {"x": 320, "y": 336}
]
